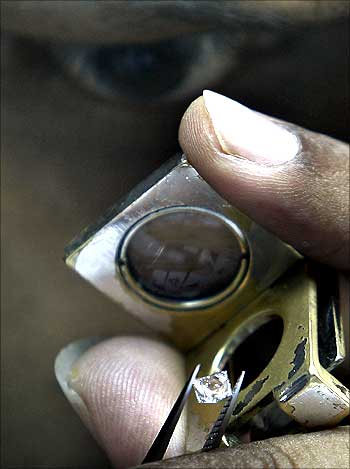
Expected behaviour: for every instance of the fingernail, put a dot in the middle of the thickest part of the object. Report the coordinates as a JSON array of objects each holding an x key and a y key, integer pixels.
[
  {"x": 247, "y": 134},
  {"x": 67, "y": 375}
]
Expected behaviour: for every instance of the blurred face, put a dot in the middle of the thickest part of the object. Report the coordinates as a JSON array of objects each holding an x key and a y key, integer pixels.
[{"x": 92, "y": 97}]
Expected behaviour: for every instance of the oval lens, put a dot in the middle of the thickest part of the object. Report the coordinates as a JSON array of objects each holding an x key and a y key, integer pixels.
[{"x": 184, "y": 255}]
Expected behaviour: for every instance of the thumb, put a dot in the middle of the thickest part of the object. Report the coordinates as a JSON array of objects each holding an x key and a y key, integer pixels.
[
  {"x": 292, "y": 181},
  {"x": 324, "y": 449},
  {"x": 123, "y": 389}
]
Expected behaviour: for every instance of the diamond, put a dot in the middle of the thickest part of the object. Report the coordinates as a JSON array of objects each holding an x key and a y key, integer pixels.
[{"x": 212, "y": 389}]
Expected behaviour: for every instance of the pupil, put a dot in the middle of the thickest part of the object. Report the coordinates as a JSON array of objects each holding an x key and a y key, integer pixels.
[
  {"x": 184, "y": 255},
  {"x": 146, "y": 70}
]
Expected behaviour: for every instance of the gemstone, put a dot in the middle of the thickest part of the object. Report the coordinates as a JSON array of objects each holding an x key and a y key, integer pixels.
[
  {"x": 183, "y": 255},
  {"x": 212, "y": 389}
]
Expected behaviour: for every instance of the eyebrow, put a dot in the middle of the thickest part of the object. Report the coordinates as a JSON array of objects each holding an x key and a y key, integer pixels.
[{"x": 137, "y": 20}]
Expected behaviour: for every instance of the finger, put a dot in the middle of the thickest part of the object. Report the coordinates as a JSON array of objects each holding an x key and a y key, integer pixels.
[
  {"x": 314, "y": 450},
  {"x": 292, "y": 181},
  {"x": 123, "y": 389}
]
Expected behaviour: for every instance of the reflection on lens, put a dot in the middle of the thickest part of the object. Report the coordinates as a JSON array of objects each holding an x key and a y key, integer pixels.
[{"x": 183, "y": 255}]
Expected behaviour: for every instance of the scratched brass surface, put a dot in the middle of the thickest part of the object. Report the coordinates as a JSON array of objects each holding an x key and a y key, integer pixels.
[{"x": 302, "y": 387}]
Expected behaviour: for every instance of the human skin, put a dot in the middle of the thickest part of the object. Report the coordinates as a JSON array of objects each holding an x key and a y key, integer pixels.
[{"x": 67, "y": 156}]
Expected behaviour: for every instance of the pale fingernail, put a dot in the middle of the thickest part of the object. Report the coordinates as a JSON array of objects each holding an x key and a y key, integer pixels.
[
  {"x": 247, "y": 134},
  {"x": 66, "y": 374}
]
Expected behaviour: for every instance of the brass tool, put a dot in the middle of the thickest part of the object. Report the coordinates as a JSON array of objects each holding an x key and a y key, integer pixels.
[
  {"x": 293, "y": 386},
  {"x": 178, "y": 256},
  {"x": 229, "y": 294}
]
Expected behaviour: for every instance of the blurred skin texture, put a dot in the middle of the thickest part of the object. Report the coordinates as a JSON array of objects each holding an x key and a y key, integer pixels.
[{"x": 70, "y": 149}]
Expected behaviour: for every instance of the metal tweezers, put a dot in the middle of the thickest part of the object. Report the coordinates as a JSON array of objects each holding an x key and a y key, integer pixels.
[
  {"x": 217, "y": 432},
  {"x": 161, "y": 442}
]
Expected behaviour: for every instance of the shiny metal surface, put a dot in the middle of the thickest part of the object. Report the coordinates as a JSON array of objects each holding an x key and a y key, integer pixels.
[
  {"x": 294, "y": 377},
  {"x": 161, "y": 442},
  {"x": 176, "y": 184},
  {"x": 216, "y": 434}
]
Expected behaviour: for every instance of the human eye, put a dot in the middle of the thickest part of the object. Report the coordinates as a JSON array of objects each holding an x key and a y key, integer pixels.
[{"x": 170, "y": 70}]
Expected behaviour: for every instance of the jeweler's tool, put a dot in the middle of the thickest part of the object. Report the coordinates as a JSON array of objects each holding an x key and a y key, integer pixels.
[
  {"x": 161, "y": 442},
  {"x": 217, "y": 432},
  {"x": 198, "y": 271}
]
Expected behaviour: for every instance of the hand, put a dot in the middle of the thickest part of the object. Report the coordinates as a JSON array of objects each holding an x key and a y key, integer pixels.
[{"x": 292, "y": 181}]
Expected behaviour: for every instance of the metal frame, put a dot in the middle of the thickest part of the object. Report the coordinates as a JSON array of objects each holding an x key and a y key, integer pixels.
[
  {"x": 122, "y": 264},
  {"x": 177, "y": 183}
]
